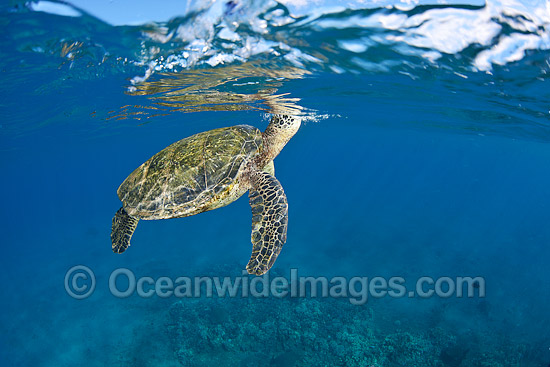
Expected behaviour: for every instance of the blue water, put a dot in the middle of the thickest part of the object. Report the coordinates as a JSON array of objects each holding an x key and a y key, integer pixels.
[{"x": 424, "y": 151}]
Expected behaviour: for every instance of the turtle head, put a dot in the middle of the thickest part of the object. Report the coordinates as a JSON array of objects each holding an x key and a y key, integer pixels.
[
  {"x": 279, "y": 131},
  {"x": 285, "y": 125}
]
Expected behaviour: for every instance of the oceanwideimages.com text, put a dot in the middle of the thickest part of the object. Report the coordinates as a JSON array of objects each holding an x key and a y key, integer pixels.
[{"x": 80, "y": 283}]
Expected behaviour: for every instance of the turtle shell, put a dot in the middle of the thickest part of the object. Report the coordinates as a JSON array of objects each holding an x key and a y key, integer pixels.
[{"x": 193, "y": 175}]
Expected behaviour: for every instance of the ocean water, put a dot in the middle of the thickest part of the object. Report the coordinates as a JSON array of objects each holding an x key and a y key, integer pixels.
[{"x": 423, "y": 156}]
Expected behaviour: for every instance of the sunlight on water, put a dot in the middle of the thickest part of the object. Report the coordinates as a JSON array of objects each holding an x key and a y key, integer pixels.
[
  {"x": 493, "y": 33},
  {"x": 405, "y": 37},
  {"x": 238, "y": 56}
]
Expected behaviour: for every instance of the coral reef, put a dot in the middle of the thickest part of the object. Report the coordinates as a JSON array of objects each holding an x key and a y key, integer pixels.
[
  {"x": 286, "y": 332},
  {"x": 291, "y": 332},
  {"x": 309, "y": 331}
]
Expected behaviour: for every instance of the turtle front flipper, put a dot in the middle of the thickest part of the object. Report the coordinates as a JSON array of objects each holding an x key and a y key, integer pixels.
[
  {"x": 123, "y": 228},
  {"x": 269, "y": 221}
]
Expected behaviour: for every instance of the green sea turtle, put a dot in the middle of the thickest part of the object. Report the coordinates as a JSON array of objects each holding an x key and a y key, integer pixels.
[{"x": 207, "y": 171}]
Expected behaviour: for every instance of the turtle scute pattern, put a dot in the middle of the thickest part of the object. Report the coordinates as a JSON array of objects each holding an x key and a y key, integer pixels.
[
  {"x": 189, "y": 175},
  {"x": 269, "y": 222}
]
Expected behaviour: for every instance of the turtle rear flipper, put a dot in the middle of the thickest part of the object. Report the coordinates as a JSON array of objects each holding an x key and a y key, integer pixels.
[
  {"x": 269, "y": 221},
  {"x": 123, "y": 228}
]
